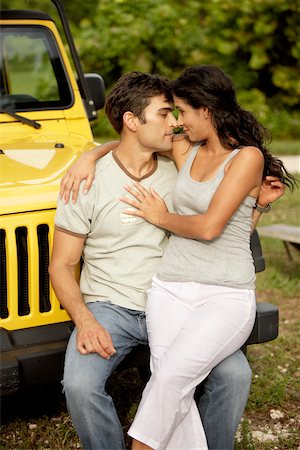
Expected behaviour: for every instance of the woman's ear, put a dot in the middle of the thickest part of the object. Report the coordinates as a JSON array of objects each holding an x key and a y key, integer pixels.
[
  {"x": 130, "y": 120},
  {"x": 205, "y": 112}
]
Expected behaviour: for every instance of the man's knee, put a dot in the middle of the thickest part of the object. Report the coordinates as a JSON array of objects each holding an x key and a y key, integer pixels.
[
  {"x": 80, "y": 383},
  {"x": 81, "y": 388},
  {"x": 234, "y": 371}
]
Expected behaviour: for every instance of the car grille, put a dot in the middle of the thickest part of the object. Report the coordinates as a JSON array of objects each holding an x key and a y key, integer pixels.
[{"x": 26, "y": 296}]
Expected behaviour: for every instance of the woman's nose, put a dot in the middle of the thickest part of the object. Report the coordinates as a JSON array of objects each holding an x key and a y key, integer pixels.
[{"x": 179, "y": 121}]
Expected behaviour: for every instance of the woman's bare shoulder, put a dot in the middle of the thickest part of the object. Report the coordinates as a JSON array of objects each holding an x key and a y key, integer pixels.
[
  {"x": 250, "y": 150},
  {"x": 249, "y": 153}
]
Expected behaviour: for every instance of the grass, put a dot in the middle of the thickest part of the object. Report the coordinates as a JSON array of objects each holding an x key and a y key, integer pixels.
[
  {"x": 272, "y": 416},
  {"x": 271, "y": 421},
  {"x": 275, "y": 390}
]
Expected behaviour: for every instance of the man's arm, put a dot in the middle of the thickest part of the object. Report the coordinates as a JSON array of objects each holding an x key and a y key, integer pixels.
[{"x": 66, "y": 254}]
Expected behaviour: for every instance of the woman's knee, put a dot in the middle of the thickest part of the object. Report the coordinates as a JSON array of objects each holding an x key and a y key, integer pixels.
[{"x": 168, "y": 385}]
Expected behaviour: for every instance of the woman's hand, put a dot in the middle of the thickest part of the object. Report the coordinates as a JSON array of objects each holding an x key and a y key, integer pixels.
[
  {"x": 149, "y": 205},
  {"x": 271, "y": 190},
  {"x": 82, "y": 169}
]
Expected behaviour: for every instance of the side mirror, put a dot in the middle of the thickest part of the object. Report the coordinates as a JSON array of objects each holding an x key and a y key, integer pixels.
[{"x": 96, "y": 88}]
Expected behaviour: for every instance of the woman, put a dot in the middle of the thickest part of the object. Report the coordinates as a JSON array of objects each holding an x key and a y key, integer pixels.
[{"x": 201, "y": 306}]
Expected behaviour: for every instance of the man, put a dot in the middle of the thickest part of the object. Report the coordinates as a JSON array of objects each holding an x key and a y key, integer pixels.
[{"x": 120, "y": 255}]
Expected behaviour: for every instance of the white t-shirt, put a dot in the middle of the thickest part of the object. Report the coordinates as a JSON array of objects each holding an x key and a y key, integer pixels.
[{"x": 121, "y": 252}]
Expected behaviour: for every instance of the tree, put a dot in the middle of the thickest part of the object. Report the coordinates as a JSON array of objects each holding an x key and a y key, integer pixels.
[
  {"x": 145, "y": 35},
  {"x": 255, "y": 41}
]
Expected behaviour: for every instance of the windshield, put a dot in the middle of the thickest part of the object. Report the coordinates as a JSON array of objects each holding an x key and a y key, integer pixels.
[{"x": 32, "y": 76}]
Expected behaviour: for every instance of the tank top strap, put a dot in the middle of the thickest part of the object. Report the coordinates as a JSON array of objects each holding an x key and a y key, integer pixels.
[
  {"x": 221, "y": 170},
  {"x": 229, "y": 158},
  {"x": 231, "y": 155}
]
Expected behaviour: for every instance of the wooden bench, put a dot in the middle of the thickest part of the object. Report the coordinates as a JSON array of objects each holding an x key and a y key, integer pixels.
[{"x": 289, "y": 234}]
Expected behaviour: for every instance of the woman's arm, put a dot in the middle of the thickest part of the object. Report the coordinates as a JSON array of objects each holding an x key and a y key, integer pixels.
[
  {"x": 83, "y": 168},
  {"x": 243, "y": 177},
  {"x": 271, "y": 190}
]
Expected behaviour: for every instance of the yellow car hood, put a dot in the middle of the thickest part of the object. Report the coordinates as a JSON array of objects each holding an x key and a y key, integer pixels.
[{"x": 30, "y": 176}]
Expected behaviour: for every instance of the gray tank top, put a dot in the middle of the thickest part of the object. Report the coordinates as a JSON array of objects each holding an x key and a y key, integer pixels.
[{"x": 224, "y": 261}]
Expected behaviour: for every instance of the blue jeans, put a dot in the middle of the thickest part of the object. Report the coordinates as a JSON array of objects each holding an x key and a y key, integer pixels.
[{"x": 222, "y": 400}]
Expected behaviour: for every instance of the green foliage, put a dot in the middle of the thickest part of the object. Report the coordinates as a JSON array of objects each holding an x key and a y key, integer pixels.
[
  {"x": 146, "y": 35},
  {"x": 255, "y": 41},
  {"x": 263, "y": 40},
  {"x": 283, "y": 123},
  {"x": 102, "y": 128}
]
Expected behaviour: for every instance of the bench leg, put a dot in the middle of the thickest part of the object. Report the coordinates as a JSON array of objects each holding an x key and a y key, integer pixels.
[{"x": 288, "y": 250}]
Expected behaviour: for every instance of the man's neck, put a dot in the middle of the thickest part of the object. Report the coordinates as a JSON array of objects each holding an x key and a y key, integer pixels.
[{"x": 137, "y": 161}]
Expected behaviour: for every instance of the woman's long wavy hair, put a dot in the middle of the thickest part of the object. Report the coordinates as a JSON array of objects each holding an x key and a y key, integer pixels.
[{"x": 209, "y": 87}]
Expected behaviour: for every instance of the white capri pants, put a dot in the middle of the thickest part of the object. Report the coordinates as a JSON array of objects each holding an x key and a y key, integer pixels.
[{"x": 191, "y": 327}]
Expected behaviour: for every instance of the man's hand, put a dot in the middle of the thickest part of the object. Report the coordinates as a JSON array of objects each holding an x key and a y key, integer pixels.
[
  {"x": 92, "y": 337},
  {"x": 271, "y": 190},
  {"x": 82, "y": 169}
]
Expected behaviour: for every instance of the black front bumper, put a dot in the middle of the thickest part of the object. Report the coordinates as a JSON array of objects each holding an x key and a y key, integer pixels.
[{"x": 32, "y": 356}]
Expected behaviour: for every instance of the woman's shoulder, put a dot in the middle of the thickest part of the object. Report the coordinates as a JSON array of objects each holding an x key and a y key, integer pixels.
[
  {"x": 248, "y": 156},
  {"x": 248, "y": 153},
  {"x": 249, "y": 149}
]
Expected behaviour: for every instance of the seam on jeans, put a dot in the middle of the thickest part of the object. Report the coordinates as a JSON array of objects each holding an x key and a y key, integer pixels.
[
  {"x": 117, "y": 423},
  {"x": 113, "y": 409},
  {"x": 141, "y": 319},
  {"x": 209, "y": 407},
  {"x": 114, "y": 414}
]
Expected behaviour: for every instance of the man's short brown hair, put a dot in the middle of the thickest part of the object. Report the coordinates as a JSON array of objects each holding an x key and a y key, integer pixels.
[{"x": 133, "y": 93}]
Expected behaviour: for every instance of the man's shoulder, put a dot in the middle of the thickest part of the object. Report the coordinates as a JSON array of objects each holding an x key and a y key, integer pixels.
[
  {"x": 106, "y": 169},
  {"x": 104, "y": 163}
]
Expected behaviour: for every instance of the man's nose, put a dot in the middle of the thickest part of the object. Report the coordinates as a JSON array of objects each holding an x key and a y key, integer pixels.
[{"x": 173, "y": 121}]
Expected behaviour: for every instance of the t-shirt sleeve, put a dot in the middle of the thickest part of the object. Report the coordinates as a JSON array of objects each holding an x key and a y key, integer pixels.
[{"x": 76, "y": 218}]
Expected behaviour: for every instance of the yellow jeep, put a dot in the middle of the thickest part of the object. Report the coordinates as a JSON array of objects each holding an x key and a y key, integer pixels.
[{"x": 45, "y": 113}]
